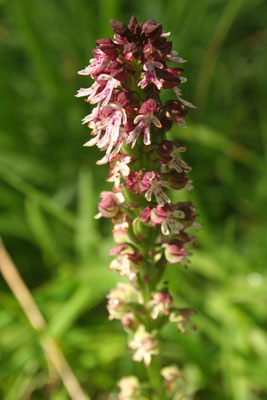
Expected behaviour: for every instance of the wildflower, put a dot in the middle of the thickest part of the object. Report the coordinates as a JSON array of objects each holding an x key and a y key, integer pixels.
[
  {"x": 129, "y": 124},
  {"x": 120, "y": 228},
  {"x": 168, "y": 152},
  {"x": 133, "y": 181},
  {"x": 175, "y": 251},
  {"x": 170, "y": 77},
  {"x": 130, "y": 389},
  {"x": 178, "y": 180},
  {"x": 172, "y": 376},
  {"x": 182, "y": 318},
  {"x": 175, "y": 111},
  {"x": 152, "y": 184},
  {"x": 127, "y": 261},
  {"x": 110, "y": 119},
  {"x": 160, "y": 303},
  {"x": 102, "y": 89},
  {"x": 171, "y": 373},
  {"x": 145, "y": 215},
  {"x": 178, "y": 93},
  {"x": 173, "y": 57},
  {"x": 119, "y": 300},
  {"x": 150, "y": 74},
  {"x": 144, "y": 120},
  {"x": 168, "y": 217},
  {"x": 129, "y": 321},
  {"x": 173, "y": 217},
  {"x": 109, "y": 204},
  {"x": 119, "y": 169},
  {"x": 144, "y": 344}
]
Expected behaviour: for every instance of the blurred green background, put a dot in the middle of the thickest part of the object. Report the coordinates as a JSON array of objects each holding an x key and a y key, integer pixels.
[{"x": 50, "y": 186}]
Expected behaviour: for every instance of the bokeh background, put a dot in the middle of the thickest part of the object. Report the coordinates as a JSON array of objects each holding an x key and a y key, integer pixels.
[{"x": 50, "y": 186}]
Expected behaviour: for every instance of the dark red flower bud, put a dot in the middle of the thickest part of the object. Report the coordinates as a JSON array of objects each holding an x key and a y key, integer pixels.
[
  {"x": 188, "y": 209},
  {"x": 108, "y": 47},
  {"x": 165, "y": 149},
  {"x": 136, "y": 29},
  {"x": 133, "y": 23},
  {"x": 121, "y": 29},
  {"x": 175, "y": 110},
  {"x": 163, "y": 47},
  {"x": 169, "y": 77},
  {"x": 177, "y": 180},
  {"x": 151, "y": 29}
]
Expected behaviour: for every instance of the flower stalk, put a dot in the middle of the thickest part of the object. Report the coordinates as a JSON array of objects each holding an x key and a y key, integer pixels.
[{"x": 130, "y": 123}]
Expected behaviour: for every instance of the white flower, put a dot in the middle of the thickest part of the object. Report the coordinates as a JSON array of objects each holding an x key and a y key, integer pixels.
[
  {"x": 144, "y": 122},
  {"x": 105, "y": 94},
  {"x": 119, "y": 298},
  {"x": 125, "y": 266},
  {"x": 130, "y": 389},
  {"x": 114, "y": 133},
  {"x": 150, "y": 74},
  {"x": 95, "y": 63},
  {"x": 152, "y": 184},
  {"x": 145, "y": 345},
  {"x": 119, "y": 169}
]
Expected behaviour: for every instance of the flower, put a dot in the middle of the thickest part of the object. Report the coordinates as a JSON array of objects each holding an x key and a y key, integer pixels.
[
  {"x": 150, "y": 74},
  {"x": 168, "y": 152},
  {"x": 175, "y": 251},
  {"x": 129, "y": 124},
  {"x": 102, "y": 89},
  {"x": 175, "y": 111},
  {"x": 151, "y": 183},
  {"x": 145, "y": 215},
  {"x": 144, "y": 344},
  {"x": 109, "y": 204},
  {"x": 120, "y": 228},
  {"x": 129, "y": 321},
  {"x": 127, "y": 261},
  {"x": 182, "y": 317},
  {"x": 172, "y": 57},
  {"x": 178, "y": 180},
  {"x": 171, "y": 373},
  {"x": 173, "y": 376},
  {"x": 119, "y": 169},
  {"x": 133, "y": 180},
  {"x": 170, "y": 77},
  {"x": 168, "y": 217},
  {"x": 130, "y": 389},
  {"x": 173, "y": 218},
  {"x": 159, "y": 304},
  {"x": 105, "y": 52},
  {"x": 119, "y": 300},
  {"x": 111, "y": 117},
  {"x": 144, "y": 120}
]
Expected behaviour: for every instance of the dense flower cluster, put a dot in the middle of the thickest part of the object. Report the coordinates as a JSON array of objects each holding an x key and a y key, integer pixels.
[{"x": 129, "y": 123}]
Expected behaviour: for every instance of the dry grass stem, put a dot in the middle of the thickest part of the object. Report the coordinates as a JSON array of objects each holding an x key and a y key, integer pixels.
[{"x": 49, "y": 345}]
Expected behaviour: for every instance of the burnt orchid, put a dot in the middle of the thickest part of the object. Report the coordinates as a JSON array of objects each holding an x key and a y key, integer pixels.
[{"x": 129, "y": 124}]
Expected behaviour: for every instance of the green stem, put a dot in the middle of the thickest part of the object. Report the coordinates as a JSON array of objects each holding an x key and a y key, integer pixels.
[
  {"x": 153, "y": 370},
  {"x": 155, "y": 379}
]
